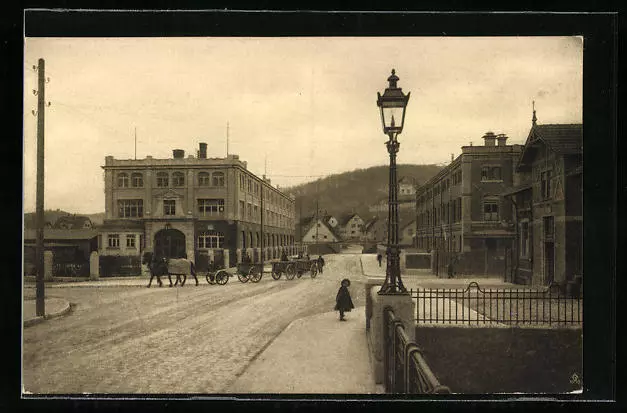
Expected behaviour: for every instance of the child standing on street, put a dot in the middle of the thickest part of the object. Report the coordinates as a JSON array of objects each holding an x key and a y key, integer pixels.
[{"x": 343, "y": 300}]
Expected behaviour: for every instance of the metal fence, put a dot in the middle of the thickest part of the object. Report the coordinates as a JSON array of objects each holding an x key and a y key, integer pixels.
[
  {"x": 511, "y": 306},
  {"x": 70, "y": 269},
  {"x": 405, "y": 369}
]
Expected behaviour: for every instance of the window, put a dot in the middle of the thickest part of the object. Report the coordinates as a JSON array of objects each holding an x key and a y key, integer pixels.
[
  {"x": 256, "y": 211},
  {"x": 545, "y": 184},
  {"x": 130, "y": 208},
  {"x": 491, "y": 173},
  {"x": 250, "y": 210},
  {"x": 242, "y": 209},
  {"x": 524, "y": 239},
  {"x": 242, "y": 182},
  {"x": 490, "y": 211},
  {"x": 123, "y": 180},
  {"x": 169, "y": 207},
  {"x": 250, "y": 186},
  {"x": 137, "y": 180},
  {"x": 114, "y": 240},
  {"x": 203, "y": 179},
  {"x": 210, "y": 239},
  {"x": 130, "y": 241},
  {"x": 208, "y": 207},
  {"x": 549, "y": 227},
  {"x": 178, "y": 179},
  {"x": 459, "y": 209},
  {"x": 162, "y": 179},
  {"x": 218, "y": 179}
]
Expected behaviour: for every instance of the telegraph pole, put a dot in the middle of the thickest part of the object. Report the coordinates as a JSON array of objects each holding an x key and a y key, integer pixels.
[{"x": 40, "y": 308}]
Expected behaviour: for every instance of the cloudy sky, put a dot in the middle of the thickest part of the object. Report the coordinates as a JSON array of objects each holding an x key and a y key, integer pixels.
[{"x": 307, "y": 105}]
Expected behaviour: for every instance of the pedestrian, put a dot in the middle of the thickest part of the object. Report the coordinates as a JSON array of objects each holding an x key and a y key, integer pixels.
[
  {"x": 320, "y": 263},
  {"x": 343, "y": 302},
  {"x": 284, "y": 256},
  {"x": 379, "y": 258}
]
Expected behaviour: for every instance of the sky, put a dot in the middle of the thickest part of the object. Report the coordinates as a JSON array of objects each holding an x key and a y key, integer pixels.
[{"x": 297, "y": 108}]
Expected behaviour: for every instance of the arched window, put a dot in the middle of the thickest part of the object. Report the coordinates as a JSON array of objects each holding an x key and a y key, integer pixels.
[
  {"x": 178, "y": 179},
  {"x": 204, "y": 179},
  {"x": 218, "y": 179},
  {"x": 123, "y": 180},
  {"x": 137, "y": 180},
  {"x": 210, "y": 239},
  {"x": 162, "y": 179}
]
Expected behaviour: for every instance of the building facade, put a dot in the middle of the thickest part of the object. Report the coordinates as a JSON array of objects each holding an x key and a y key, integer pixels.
[
  {"x": 190, "y": 207},
  {"x": 352, "y": 227},
  {"x": 460, "y": 212},
  {"x": 547, "y": 206}
]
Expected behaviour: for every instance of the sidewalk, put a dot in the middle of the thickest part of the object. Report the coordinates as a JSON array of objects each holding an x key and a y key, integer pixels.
[
  {"x": 317, "y": 354},
  {"x": 54, "y": 307}
]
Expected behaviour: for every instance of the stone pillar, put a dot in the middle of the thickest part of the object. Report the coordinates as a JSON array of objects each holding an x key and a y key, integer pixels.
[
  {"x": 211, "y": 255},
  {"x": 403, "y": 259},
  {"x": 404, "y": 308},
  {"x": 238, "y": 254},
  {"x": 48, "y": 261},
  {"x": 227, "y": 257},
  {"x": 255, "y": 256},
  {"x": 276, "y": 252},
  {"x": 94, "y": 266}
]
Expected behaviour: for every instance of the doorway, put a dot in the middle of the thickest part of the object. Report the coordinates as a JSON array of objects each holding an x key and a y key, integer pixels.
[{"x": 170, "y": 243}]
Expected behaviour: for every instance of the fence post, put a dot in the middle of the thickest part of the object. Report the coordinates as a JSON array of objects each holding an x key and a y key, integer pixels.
[
  {"x": 94, "y": 266},
  {"x": 48, "y": 263}
]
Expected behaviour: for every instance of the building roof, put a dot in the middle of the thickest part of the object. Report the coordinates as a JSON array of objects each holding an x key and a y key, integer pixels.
[
  {"x": 62, "y": 234},
  {"x": 345, "y": 218},
  {"x": 563, "y": 139},
  {"x": 370, "y": 223},
  {"x": 72, "y": 221},
  {"x": 516, "y": 189}
]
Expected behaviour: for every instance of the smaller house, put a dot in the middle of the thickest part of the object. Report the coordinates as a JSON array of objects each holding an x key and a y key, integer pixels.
[
  {"x": 67, "y": 246},
  {"x": 318, "y": 231},
  {"x": 351, "y": 227},
  {"x": 73, "y": 222}
]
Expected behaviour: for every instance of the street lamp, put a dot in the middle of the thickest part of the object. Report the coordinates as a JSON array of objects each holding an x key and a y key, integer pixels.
[{"x": 392, "y": 105}]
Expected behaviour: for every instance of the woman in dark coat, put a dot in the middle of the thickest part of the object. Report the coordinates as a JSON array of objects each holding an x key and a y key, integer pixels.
[{"x": 343, "y": 300}]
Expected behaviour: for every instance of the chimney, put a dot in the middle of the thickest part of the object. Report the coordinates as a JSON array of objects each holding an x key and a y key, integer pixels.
[
  {"x": 489, "y": 138},
  {"x": 202, "y": 152},
  {"x": 501, "y": 138},
  {"x": 178, "y": 153}
]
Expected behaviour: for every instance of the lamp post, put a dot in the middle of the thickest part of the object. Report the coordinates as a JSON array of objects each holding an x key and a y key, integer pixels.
[{"x": 392, "y": 105}]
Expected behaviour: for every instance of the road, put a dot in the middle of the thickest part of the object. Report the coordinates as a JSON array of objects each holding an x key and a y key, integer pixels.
[{"x": 194, "y": 339}]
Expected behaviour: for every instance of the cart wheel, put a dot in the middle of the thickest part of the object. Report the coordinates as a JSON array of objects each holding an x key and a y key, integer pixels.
[
  {"x": 276, "y": 274},
  {"x": 314, "y": 270},
  {"x": 254, "y": 275},
  {"x": 222, "y": 277},
  {"x": 299, "y": 274},
  {"x": 290, "y": 272},
  {"x": 211, "y": 280},
  {"x": 242, "y": 277}
]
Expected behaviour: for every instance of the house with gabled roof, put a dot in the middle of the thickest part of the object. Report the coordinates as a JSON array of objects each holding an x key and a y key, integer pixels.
[
  {"x": 547, "y": 206},
  {"x": 318, "y": 230},
  {"x": 73, "y": 222},
  {"x": 351, "y": 227}
]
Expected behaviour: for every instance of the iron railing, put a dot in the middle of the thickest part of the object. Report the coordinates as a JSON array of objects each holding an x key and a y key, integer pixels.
[
  {"x": 406, "y": 371},
  {"x": 510, "y": 306}
]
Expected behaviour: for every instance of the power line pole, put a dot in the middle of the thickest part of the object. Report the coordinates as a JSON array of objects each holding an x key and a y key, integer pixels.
[{"x": 40, "y": 306}]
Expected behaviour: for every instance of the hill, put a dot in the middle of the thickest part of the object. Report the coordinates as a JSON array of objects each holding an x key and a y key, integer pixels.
[
  {"x": 353, "y": 191},
  {"x": 51, "y": 216}
]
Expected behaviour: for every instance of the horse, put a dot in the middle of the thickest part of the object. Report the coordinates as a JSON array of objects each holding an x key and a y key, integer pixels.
[
  {"x": 180, "y": 267},
  {"x": 157, "y": 267}
]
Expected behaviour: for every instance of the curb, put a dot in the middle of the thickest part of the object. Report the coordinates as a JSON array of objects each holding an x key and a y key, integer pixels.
[{"x": 40, "y": 319}]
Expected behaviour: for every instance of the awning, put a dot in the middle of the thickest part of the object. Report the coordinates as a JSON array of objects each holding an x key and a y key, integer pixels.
[{"x": 516, "y": 189}]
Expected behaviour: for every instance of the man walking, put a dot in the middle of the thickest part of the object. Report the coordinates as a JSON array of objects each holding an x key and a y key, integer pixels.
[{"x": 379, "y": 258}]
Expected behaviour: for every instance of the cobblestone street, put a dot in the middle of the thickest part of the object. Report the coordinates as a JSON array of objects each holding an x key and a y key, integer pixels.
[{"x": 172, "y": 340}]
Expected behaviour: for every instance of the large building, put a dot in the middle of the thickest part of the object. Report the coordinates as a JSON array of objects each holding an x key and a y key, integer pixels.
[
  {"x": 190, "y": 206},
  {"x": 460, "y": 212},
  {"x": 547, "y": 205}
]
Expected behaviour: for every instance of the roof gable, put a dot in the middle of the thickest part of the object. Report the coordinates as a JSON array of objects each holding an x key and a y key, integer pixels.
[{"x": 563, "y": 139}]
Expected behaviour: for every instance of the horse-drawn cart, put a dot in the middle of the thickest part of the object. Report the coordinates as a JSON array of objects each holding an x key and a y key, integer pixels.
[
  {"x": 294, "y": 268},
  {"x": 249, "y": 271}
]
